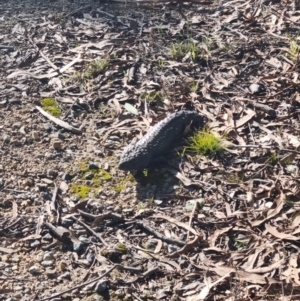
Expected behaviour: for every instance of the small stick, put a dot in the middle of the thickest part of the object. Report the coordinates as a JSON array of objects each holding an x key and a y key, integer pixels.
[
  {"x": 59, "y": 122},
  {"x": 53, "y": 200},
  {"x": 267, "y": 147},
  {"x": 82, "y": 284},
  {"x": 159, "y": 235},
  {"x": 91, "y": 230}
]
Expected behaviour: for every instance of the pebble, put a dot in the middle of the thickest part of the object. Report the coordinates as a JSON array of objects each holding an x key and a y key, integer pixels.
[
  {"x": 47, "y": 256},
  {"x": 57, "y": 144},
  {"x": 59, "y": 135},
  {"x": 48, "y": 237},
  {"x": 89, "y": 176},
  {"x": 22, "y": 130},
  {"x": 256, "y": 88},
  {"x": 14, "y": 101},
  {"x": 47, "y": 127},
  {"x": 49, "y": 155},
  {"x": 52, "y": 173},
  {"x": 46, "y": 196},
  {"x": 16, "y": 142},
  {"x": 66, "y": 177},
  {"x": 47, "y": 263},
  {"x": 93, "y": 166},
  {"x": 16, "y": 125},
  {"x": 65, "y": 275},
  {"x": 35, "y": 135},
  {"x": 67, "y": 222},
  {"x": 90, "y": 257},
  {"x": 50, "y": 273},
  {"x": 5, "y": 138},
  {"x": 101, "y": 286},
  {"x": 172, "y": 248},
  {"x": 114, "y": 138},
  {"x": 34, "y": 270},
  {"x": 151, "y": 244},
  {"x": 35, "y": 244},
  {"x": 128, "y": 211}
]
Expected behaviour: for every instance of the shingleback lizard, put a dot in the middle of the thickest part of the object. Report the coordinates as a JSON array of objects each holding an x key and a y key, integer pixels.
[{"x": 158, "y": 139}]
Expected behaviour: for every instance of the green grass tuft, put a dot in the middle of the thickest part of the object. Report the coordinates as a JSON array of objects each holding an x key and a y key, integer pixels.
[
  {"x": 50, "y": 105},
  {"x": 205, "y": 142}
]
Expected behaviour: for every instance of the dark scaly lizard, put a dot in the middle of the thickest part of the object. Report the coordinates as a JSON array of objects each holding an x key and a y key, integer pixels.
[{"x": 158, "y": 139}]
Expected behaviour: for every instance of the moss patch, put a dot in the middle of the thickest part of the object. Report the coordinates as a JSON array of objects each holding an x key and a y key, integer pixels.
[
  {"x": 82, "y": 191},
  {"x": 50, "y": 105},
  {"x": 120, "y": 186},
  {"x": 90, "y": 186}
]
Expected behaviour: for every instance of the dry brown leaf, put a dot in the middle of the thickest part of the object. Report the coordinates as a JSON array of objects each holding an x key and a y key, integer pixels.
[
  {"x": 176, "y": 222},
  {"x": 280, "y": 235}
]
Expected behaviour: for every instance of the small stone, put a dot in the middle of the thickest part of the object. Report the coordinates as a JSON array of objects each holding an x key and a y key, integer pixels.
[
  {"x": 128, "y": 211},
  {"x": 151, "y": 244},
  {"x": 78, "y": 246},
  {"x": 47, "y": 256},
  {"x": 50, "y": 272},
  {"x": 46, "y": 196},
  {"x": 66, "y": 177},
  {"x": 5, "y": 138},
  {"x": 49, "y": 155},
  {"x": 93, "y": 166},
  {"x": 90, "y": 257},
  {"x": 48, "y": 237},
  {"x": 47, "y": 263},
  {"x": 22, "y": 130},
  {"x": 35, "y": 244},
  {"x": 34, "y": 270},
  {"x": 52, "y": 173},
  {"x": 57, "y": 144},
  {"x": 89, "y": 176},
  {"x": 47, "y": 127},
  {"x": 65, "y": 275},
  {"x": 256, "y": 88},
  {"x": 15, "y": 142},
  {"x": 16, "y": 125},
  {"x": 59, "y": 135},
  {"x": 35, "y": 135},
  {"x": 114, "y": 138},
  {"x": 101, "y": 286},
  {"x": 14, "y": 101},
  {"x": 67, "y": 222}
]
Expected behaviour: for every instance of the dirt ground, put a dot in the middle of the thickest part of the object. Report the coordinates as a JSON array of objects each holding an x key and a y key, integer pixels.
[{"x": 79, "y": 81}]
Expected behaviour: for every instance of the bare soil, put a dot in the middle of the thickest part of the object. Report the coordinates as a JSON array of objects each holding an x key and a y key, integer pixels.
[{"x": 75, "y": 227}]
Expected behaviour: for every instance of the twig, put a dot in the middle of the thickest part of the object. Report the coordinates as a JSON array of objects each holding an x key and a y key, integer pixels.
[
  {"x": 137, "y": 297},
  {"x": 81, "y": 285},
  {"x": 43, "y": 55},
  {"x": 78, "y": 10},
  {"x": 159, "y": 235},
  {"x": 267, "y": 147},
  {"x": 53, "y": 200},
  {"x": 14, "y": 190},
  {"x": 10, "y": 48},
  {"x": 189, "y": 246},
  {"x": 191, "y": 218},
  {"x": 69, "y": 110},
  {"x": 59, "y": 122},
  {"x": 97, "y": 235}
]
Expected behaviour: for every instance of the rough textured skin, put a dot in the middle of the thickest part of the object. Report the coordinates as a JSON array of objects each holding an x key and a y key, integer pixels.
[{"x": 157, "y": 140}]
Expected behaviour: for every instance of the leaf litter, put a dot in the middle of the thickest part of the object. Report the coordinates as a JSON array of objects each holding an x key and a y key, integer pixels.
[{"x": 114, "y": 69}]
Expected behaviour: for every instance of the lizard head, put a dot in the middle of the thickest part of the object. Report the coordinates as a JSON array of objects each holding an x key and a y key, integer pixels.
[{"x": 134, "y": 157}]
